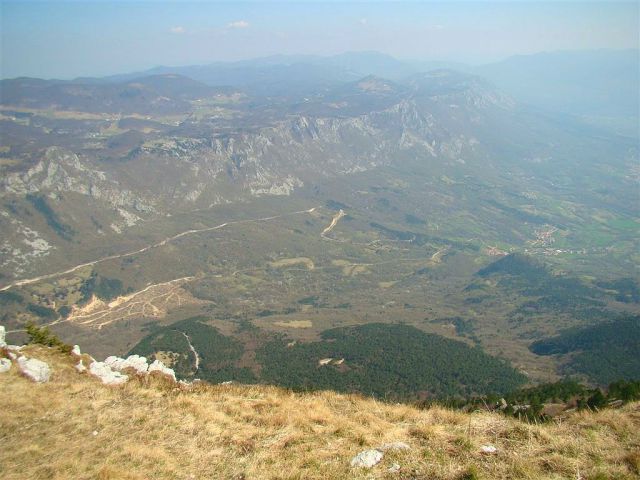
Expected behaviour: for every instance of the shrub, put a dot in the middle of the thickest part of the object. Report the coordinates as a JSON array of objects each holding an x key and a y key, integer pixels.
[{"x": 43, "y": 336}]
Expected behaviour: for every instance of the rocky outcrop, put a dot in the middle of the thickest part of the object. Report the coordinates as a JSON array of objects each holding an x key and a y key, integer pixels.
[
  {"x": 34, "y": 369},
  {"x": 61, "y": 171},
  {"x": 135, "y": 362},
  {"x": 106, "y": 374},
  {"x": 158, "y": 366},
  {"x": 111, "y": 371}
]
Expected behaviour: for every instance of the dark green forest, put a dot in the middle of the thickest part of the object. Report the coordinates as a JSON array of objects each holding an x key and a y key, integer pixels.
[{"x": 605, "y": 352}]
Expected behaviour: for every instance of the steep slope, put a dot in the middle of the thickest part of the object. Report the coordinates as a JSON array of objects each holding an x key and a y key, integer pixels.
[{"x": 75, "y": 427}]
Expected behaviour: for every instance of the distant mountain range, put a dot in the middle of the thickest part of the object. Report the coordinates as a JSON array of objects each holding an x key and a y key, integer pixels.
[{"x": 602, "y": 83}]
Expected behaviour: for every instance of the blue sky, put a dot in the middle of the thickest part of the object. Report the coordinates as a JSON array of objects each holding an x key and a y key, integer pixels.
[{"x": 54, "y": 39}]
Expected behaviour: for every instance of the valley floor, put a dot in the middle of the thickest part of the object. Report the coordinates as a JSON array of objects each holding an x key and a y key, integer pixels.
[{"x": 74, "y": 427}]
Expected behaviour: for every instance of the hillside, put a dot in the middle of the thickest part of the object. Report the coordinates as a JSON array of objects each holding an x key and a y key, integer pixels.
[{"x": 75, "y": 427}]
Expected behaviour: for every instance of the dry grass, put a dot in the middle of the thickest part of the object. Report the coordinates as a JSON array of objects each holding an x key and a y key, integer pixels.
[{"x": 149, "y": 429}]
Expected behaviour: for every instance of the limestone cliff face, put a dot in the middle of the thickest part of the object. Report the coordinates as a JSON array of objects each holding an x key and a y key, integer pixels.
[
  {"x": 168, "y": 174},
  {"x": 60, "y": 171}
]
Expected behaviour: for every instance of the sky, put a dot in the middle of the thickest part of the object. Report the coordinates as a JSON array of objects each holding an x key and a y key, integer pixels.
[{"x": 55, "y": 39}]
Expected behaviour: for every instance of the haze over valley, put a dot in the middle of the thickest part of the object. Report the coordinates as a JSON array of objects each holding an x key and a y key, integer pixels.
[{"x": 280, "y": 199}]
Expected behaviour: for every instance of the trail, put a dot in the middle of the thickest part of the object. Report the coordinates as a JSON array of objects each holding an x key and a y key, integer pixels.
[
  {"x": 167, "y": 240},
  {"x": 334, "y": 222},
  {"x": 193, "y": 350},
  {"x": 129, "y": 306}
]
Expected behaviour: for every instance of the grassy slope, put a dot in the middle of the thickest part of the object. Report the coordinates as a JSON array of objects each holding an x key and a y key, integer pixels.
[{"x": 151, "y": 429}]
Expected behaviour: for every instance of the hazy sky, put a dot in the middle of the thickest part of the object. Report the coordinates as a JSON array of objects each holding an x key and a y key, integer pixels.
[{"x": 76, "y": 38}]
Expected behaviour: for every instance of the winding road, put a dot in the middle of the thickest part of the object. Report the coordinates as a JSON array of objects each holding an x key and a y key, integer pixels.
[
  {"x": 167, "y": 240},
  {"x": 197, "y": 365}
]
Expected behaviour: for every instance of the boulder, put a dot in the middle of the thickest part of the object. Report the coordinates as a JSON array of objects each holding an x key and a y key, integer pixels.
[
  {"x": 367, "y": 459},
  {"x": 136, "y": 362},
  {"x": 34, "y": 369},
  {"x": 158, "y": 366},
  {"x": 5, "y": 365},
  {"x": 106, "y": 375},
  {"x": 76, "y": 350},
  {"x": 3, "y": 336}
]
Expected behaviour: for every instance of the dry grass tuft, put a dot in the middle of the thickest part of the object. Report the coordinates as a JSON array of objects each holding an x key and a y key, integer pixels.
[{"x": 74, "y": 427}]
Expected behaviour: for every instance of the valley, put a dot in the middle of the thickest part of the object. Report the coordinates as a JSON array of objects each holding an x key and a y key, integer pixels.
[{"x": 436, "y": 204}]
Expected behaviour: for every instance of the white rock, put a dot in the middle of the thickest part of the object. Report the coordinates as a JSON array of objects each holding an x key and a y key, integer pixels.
[
  {"x": 115, "y": 363},
  {"x": 12, "y": 355},
  {"x": 76, "y": 350},
  {"x": 395, "y": 468},
  {"x": 5, "y": 365},
  {"x": 158, "y": 366},
  {"x": 488, "y": 449},
  {"x": 367, "y": 459},
  {"x": 394, "y": 446},
  {"x": 80, "y": 367},
  {"x": 3, "y": 334},
  {"x": 94, "y": 433},
  {"x": 34, "y": 369},
  {"x": 106, "y": 375},
  {"x": 138, "y": 363},
  {"x": 14, "y": 348}
]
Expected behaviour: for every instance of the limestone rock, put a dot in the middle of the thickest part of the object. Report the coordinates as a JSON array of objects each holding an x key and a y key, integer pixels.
[
  {"x": 3, "y": 334},
  {"x": 138, "y": 363},
  {"x": 34, "y": 369},
  {"x": 488, "y": 449},
  {"x": 5, "y": 365},
  {"x": 158, "y": 366},
  {"x": 76, "y": 350},
  {"x": 367, "y": 459},
  {"x": 106, "y": 375}
]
